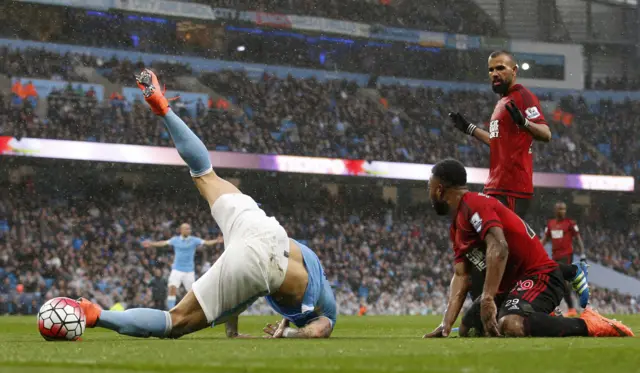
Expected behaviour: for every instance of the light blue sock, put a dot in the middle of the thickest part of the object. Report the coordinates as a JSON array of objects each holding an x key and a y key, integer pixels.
[
  {"x": 171, "y": 302},
  {"x": 137, "y": 322},
  {"x": 189, "y": 146}
]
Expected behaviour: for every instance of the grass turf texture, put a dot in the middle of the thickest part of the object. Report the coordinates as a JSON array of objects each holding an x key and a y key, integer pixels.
[{"x": 359, "y": 344}]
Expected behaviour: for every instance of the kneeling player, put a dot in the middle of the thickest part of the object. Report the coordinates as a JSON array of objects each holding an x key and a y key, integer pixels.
[
  {"x": 259, "y": 259},
  {"x": 522, "y": 285}
]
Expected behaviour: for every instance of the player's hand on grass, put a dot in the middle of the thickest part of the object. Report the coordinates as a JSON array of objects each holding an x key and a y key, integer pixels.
[
  {"x": 439, "y": 332},
  {"x": 462, "y": 124},
  {"x": 489, "y": 316},
  {"x": 277, "y": 330},
  {"x": 515, "y": 113}
]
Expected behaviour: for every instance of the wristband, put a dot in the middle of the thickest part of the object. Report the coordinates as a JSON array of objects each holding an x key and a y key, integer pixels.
[
  {"x": 526, "y": 124},
  {"x": 288, "y": 332},
  {"x": 470, "y": 128}
]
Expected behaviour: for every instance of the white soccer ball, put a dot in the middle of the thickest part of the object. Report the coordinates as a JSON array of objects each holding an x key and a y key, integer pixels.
[{"x": 61, "y": 319}]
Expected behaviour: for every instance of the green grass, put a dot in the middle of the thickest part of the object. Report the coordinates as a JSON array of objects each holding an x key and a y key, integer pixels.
[{"x": 367, "y": 344}]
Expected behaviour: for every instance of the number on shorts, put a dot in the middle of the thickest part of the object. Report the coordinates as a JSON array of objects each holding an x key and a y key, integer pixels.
[{"x": 511, "y": 302}]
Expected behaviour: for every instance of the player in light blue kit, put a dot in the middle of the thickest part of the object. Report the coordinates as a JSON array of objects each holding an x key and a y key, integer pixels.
[
  {"x": 183, "y": 268},
  {"x": 318, "y": 304},
  {"x": 259, "y": 260}
]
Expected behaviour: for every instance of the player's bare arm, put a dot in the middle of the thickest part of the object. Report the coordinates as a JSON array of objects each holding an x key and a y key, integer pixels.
[
  {"x": 496, "y": 259},
  {"x": 231, "y": 329},
  {"x": 318, "y": 328},
  {"x": 156, "y": 244},
  {"x": 581, "y": 251},
  {"x": 482, "y": 135},
  {"x": 213, "y": 242},
  {"x": 457, "y": 294}
]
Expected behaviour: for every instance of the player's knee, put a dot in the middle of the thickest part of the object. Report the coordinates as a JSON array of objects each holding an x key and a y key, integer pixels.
[
  {"x": 187, "y": 317},
  {"x": 511, "y": 326}
]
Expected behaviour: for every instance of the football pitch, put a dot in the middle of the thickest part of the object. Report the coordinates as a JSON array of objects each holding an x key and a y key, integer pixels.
[{"x": 359, "y": 344}]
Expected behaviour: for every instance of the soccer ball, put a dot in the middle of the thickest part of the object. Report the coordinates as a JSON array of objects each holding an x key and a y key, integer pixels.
[{"x": 61, "y": 319}]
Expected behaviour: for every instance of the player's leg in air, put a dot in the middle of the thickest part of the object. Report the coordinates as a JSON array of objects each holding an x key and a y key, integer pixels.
[
  {"x": 576, "y": 273},
  {"x": 259, "y": 259}
]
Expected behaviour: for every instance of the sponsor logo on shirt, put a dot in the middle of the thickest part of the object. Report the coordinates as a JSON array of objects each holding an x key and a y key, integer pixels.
[
  {"x": 557, "y": 234},
  {"x": 494, "y": 130},
  {"x": 477, "y": 258},
  {"x": 476, "y": 221},
  {"x": 532, "y": 112}
]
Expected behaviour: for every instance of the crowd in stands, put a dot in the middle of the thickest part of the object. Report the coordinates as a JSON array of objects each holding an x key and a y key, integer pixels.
[
  {"x": 460, "y": 16},
  {"x": 299, "y": 117},
  {"x": 617, "y": 84},
  {"x": 38, "y": 63},
  {"x": 86, "y": 242}
]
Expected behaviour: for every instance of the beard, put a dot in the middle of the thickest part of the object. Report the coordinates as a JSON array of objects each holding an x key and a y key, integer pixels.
[
  {"x": 441, "y": 207},
  {"x": 500, "y": 89}
]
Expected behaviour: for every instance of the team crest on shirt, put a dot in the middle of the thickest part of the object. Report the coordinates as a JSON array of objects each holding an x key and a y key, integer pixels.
[
  {"x": 532, "y": 112},
  {"x": 493, "y": 129}
]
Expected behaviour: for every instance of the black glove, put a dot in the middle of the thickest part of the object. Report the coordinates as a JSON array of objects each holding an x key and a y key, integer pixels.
[
  {"x": 462, "y": 124},
  {"x": 516, "y": 114}
]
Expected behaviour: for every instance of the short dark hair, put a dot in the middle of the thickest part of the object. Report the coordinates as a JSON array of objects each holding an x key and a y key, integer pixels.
[
  {"x": 503, "y": 52},
  {"x": 451, "y": 172}
]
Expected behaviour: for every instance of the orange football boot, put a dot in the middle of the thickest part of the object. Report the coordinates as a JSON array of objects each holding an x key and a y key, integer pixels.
[
  {"x": 91, "y": 312},
  {"x": 571, "y": 312},
  {"x": 148, "y": 83},
  {"x": 600, "y": 326}
]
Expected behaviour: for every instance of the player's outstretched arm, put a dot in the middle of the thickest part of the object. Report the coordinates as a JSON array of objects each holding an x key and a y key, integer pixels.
[
  {"x": 318, "y": 328},
  {"x": 213, "y": 242},
  {"x": 482, "y": 135},
  {"x": 457, "y": 294},
  {"x": 147, "y": 244}
]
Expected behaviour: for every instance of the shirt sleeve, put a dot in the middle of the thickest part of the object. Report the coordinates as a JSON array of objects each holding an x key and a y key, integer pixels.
[
  {"x": 172, "y": 241},
  {"x": 530, "y": 106},
  {"x": 482, "y": 216},
  {"x": 199, "y": 241}
]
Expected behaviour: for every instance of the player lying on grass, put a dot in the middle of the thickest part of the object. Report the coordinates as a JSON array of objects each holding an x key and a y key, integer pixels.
[
  {"x": 522, "y": 285},
  {"x": 259, "y": 260}
]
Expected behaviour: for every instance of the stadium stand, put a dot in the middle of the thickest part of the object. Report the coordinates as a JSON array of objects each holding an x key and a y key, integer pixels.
[
  {"x": 451, "y": 16},
  {"x": 281, "y": 114}
]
